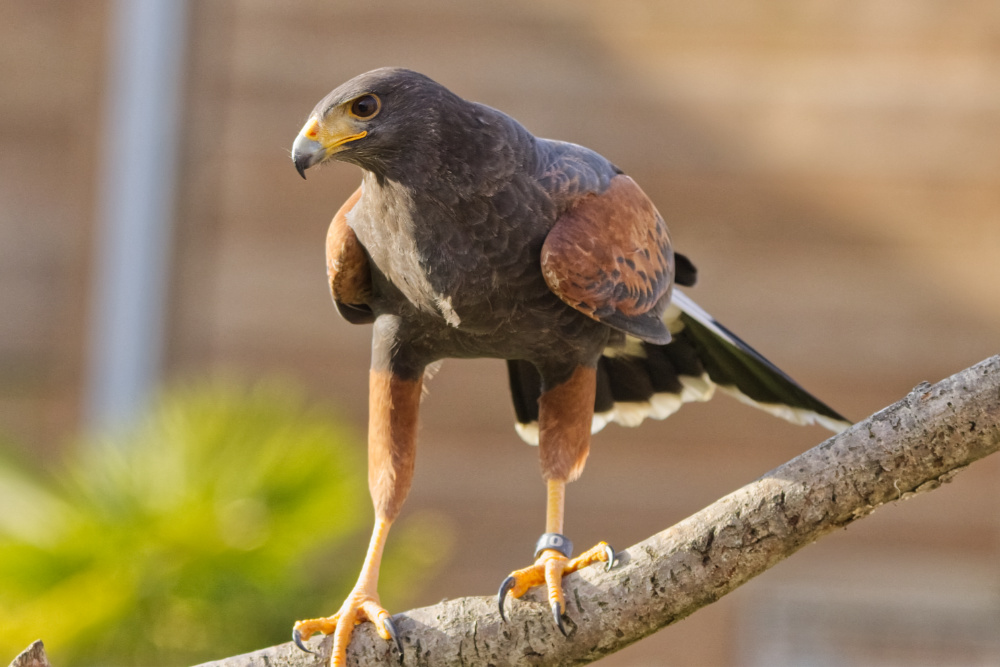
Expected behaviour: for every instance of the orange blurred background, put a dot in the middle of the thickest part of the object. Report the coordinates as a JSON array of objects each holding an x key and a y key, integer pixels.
[{"x": 833, "y": 170}]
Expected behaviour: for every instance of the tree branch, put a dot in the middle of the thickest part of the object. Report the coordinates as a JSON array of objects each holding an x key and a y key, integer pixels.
[{"x": 910, "y": 447}]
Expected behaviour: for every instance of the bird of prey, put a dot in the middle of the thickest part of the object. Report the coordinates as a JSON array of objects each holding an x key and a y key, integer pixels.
[{"x": 471, "y": 237}]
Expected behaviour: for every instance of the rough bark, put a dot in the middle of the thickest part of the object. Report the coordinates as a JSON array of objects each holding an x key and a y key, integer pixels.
[
  {"x": 33, "y": 656},
  {"x": 910, "y": 447}
]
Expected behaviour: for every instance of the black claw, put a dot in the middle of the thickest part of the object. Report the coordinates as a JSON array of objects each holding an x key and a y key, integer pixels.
[
  {"x": 297, "y": 638},
  {"x": 505, "y": 587},
  {"x": 391, "y": 629},
  {"x": 557, "y": 615},
  {"x": 611, "y": 557}
]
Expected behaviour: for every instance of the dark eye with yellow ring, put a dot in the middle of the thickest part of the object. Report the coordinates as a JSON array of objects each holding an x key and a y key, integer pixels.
[{"x": 365, "y": 106}]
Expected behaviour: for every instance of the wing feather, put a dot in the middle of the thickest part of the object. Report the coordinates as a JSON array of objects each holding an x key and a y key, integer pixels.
[
  {"x": 347, "y": 267},
  {"x": 609, "y": 256}
]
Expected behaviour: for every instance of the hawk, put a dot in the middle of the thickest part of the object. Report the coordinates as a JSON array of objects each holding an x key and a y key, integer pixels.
[{"x": 470, "y": 237}]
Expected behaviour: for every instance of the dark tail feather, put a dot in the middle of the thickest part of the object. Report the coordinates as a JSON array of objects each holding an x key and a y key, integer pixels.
[
  {"x": 739, "y": 370},
  {"x": 643, "y": 380}
]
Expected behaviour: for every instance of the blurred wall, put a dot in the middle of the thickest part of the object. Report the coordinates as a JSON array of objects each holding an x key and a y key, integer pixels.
[{"x": 833, "y": 169}]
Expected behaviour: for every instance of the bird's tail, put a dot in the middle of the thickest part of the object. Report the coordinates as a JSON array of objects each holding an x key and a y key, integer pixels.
[{"x": 643, "y": 380}]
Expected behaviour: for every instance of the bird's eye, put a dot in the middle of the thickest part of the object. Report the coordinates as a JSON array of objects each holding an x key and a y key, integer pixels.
[{"x": 365, "y": 106}]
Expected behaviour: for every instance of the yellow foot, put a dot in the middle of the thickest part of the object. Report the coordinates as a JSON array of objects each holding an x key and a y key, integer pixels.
[
  {"x": 359, "y": 606},
  {"x": 549, "y": 569}
]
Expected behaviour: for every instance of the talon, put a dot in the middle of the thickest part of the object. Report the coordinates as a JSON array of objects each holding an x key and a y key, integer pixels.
[
  {"x": 505, "y": 588},
  {"x": 610, "y": 553},
  {"x": 391, "y": 629},
  {"x": 557, "y": 615},
  {"x": 297, "y": 638}
]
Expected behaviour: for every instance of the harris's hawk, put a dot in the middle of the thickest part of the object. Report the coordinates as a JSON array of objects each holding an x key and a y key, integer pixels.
[{"x": 470, "y": 237}]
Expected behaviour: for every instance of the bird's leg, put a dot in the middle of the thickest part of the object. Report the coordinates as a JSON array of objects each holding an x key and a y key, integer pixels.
[
  {"x": 361, "y": 605},
  {"x": 565, "y": 413},
  {"x": 553, "y": 559},
  {"x": 393, "y": 406}
]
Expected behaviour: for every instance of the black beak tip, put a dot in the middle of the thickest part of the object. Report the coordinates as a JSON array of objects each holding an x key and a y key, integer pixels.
[{"x": 301, "y": 168}]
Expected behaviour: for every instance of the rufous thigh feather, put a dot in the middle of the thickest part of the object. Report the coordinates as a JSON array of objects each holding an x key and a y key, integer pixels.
[
  {"x": 564, "y": 416},
  {"x": 392, "y": 433}
]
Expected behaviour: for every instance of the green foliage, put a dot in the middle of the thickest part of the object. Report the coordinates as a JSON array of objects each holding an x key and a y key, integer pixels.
[{"x": 203, "y": 532}]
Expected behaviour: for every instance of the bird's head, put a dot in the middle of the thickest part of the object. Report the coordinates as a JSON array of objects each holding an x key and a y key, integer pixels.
[{"x": 372, "y": 120}]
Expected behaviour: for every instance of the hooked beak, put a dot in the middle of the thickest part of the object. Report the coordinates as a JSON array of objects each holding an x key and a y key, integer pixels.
[
  {"x": 305, "y": 153},
  {"x": 314, "y": 144}
]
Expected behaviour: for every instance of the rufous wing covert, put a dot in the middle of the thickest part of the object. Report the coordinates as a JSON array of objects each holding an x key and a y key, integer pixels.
[{"x": 609, "y": 257}]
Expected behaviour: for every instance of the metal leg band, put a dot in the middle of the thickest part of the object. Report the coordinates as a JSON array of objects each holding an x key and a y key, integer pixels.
[{"x": 556, "y": 542}]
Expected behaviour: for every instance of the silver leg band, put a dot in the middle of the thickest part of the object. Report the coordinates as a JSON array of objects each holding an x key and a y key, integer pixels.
[{"x": 556, "y": 542}]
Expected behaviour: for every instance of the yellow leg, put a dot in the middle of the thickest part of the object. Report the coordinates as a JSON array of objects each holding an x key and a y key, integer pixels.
[
  {"x": 556, "y": 506},
  {"x": 552, "y": 565},
  {"x": 362, "y": 604},
  {"x": 392, "y": 429}
]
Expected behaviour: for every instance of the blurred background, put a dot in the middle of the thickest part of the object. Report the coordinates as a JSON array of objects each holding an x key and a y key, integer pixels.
[{"x": 832, "y": 168}]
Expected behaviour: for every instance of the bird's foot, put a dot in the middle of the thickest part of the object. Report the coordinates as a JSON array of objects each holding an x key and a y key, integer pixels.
[
  {"x": 552, "y": 564},
  {"x": 359, "y": 606}
]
